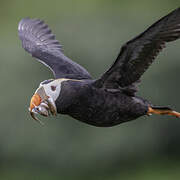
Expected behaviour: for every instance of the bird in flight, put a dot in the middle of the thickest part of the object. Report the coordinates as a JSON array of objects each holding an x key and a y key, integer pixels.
[{"x": 108, "y": 100}]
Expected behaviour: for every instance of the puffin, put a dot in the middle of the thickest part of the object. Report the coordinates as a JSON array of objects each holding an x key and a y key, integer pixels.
[{"x": 108, "y": 100}]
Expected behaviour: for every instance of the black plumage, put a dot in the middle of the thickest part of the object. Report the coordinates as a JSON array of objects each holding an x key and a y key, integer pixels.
[{"x": 111, "y": 99}]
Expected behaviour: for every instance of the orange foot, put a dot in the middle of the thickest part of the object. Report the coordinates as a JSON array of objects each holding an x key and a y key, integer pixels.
[{"x": 163, "y": 112}]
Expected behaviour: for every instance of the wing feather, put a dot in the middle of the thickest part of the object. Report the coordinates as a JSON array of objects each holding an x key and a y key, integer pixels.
[
  {"x": 138, "y": 54},
  {"x": 38, "y": 40}
]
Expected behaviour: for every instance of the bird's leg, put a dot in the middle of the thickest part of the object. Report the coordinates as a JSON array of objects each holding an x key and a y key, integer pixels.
[{"x": 163, "y": 111}]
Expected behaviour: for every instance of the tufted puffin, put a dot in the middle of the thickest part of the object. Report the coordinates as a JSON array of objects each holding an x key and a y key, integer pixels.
[{"x": 109, "y": 100}]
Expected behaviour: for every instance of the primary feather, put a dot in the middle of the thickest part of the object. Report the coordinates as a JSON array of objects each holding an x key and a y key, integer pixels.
[
  {"x": 38, "y": 40},
  {"x": 138, "y": 54}
]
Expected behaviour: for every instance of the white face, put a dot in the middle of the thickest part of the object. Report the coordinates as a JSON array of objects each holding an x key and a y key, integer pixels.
[
  {"x": 43, "y": 100},
  {"x": 53, "y": 88}
]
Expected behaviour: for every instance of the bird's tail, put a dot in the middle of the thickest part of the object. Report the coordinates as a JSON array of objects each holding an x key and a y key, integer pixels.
[{"x": 162, "y": 111}]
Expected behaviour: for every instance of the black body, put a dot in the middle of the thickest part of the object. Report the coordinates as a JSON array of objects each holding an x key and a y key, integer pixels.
[
  {"x": 111, "y": 99},
  {"x": 98, "y": 107}
]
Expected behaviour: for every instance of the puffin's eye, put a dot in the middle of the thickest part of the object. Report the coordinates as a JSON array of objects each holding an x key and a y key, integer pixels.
[{"x": 53, "y": 88}]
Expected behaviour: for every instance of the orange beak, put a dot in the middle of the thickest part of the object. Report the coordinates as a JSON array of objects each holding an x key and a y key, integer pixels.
[
  {"x": 41, "y": 104},
  {"x": 35, "y": 101}
]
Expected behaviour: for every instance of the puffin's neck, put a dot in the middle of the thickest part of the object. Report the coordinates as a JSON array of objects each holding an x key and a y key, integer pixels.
[{"x": 70, "y": 92}]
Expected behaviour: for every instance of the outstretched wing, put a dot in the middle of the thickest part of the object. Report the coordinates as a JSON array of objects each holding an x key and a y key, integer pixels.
[
  {"x": 138, "y": 54},
  {"x": 38, "y": 40}
]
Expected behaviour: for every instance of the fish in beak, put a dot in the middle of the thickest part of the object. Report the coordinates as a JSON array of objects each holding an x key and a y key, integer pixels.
[{"x": 41, "y": 104}]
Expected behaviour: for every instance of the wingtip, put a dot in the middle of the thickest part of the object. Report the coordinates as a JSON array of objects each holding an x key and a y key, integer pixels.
[
  {"x": 33, "y": 31},
  {"x": 24, "y": 21}
]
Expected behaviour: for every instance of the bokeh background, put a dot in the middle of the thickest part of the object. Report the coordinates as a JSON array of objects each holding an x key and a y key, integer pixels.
[{"x": 92, "y": 33}]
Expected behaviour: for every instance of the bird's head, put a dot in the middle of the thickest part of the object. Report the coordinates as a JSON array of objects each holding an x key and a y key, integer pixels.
[{"x": 43, "y": 100}]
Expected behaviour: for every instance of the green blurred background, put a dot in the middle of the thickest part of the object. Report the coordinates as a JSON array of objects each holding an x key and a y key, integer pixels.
[{"x": 92, "y": 33}]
